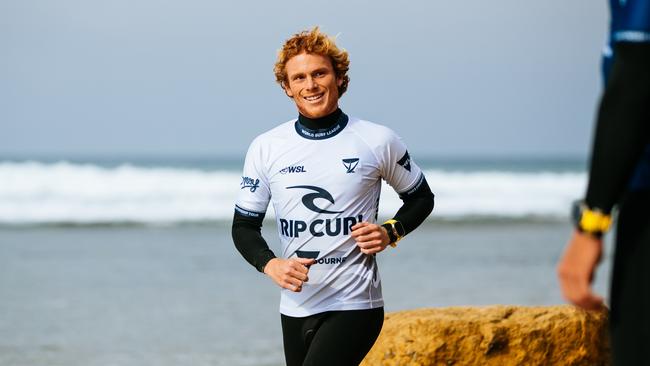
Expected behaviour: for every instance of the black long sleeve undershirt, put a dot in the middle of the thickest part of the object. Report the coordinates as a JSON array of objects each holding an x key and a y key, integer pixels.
[
  {"x": 623, "y": 126},
  {"x": 416, "y": 207},
  {"x": 247, "y": 235},
  {"x": 322, "y": 122},
  {"x": 246, "y": 231}
]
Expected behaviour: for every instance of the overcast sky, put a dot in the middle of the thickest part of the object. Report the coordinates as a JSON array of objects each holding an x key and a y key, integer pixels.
[{"x": 194, "y": 77}]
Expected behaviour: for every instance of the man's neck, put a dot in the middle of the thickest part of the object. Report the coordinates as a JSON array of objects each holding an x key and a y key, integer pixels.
[{"x": 320, "y": 122}]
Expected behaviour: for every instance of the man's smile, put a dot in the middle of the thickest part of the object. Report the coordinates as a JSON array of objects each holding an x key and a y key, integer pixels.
[{"x": 313, "y": 98}]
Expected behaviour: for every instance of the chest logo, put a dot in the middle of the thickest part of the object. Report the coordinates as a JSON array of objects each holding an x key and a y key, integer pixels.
[
  {"x": 294, "y": 169},
  {"x": 309, "y": 198},
  {"x": 350, "y": 164}
]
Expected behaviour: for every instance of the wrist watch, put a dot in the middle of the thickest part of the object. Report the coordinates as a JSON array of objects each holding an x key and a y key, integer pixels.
[
  {"x": 395, "y": 231},
  {"x": 588, "y": 220}
]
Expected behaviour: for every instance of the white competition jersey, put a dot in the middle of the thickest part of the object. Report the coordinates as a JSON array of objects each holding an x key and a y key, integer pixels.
[{"x": 322, "y": 182}]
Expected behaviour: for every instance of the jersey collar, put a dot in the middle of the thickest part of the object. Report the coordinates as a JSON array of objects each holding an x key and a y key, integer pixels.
[{"x": 322, "y": 133}]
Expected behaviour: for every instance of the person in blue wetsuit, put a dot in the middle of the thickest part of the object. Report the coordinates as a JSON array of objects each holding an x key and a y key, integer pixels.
[{"x": 619, "y": 176}]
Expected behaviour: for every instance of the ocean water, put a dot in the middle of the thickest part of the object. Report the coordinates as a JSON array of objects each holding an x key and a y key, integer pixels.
[
  {"x": 180, "y": 191},
  {"x": 131, "y": 263}
]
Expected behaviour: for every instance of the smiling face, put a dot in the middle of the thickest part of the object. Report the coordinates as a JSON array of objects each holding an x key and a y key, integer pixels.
[{"x": 313, "y": 85}]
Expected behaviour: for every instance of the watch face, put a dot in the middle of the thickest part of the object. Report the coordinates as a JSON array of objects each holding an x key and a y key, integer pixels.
[{"x": 399, "y": 228}]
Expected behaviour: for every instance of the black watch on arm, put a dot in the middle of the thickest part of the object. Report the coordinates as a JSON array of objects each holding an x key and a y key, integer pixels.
[{"x": 395, "y": 231}]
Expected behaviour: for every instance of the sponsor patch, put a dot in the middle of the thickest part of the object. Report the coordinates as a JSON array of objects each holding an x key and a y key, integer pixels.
[
  {"x": 405, "y": 161},
  {"x": 350, "y": 164},
  {"x": 314, "y": 255},
  {"x": 293, "y": 169},
  {"x": 250, "y": 183}
]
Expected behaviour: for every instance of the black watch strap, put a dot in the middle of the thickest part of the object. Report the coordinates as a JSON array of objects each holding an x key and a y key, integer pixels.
[{"x": 391, "y": 235}]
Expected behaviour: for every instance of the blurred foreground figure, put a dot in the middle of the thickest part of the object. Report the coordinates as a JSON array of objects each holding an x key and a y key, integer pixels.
[{"x": 619, "y": 176}]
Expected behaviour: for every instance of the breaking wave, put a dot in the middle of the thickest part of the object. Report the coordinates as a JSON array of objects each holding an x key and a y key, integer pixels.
[{"x": 67, "y": 193}]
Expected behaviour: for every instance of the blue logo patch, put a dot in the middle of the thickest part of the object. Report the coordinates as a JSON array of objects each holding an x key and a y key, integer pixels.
[
  {"x": 350, "y": 164},
  {"x": 251, "y": 183}
]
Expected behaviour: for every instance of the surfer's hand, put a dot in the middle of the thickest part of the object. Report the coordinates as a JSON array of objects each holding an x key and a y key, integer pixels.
[
  {"x": 576, "y": 270},
  {"x": 371, "y": 238},
  {"x": 289, "y": 273}
]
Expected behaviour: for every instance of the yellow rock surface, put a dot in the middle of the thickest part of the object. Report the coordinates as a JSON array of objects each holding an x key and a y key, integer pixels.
[{"x": 493, "y": 335}]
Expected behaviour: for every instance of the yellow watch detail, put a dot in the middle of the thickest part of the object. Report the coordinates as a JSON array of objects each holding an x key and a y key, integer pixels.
[
  {"x": 595, "y": 221},
  {"x": 392, "y": 223}
]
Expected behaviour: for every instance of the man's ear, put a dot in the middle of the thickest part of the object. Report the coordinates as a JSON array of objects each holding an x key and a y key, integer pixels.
[
  {"x": 339, "y": 82},
  {"x": 286, "y": 89}
]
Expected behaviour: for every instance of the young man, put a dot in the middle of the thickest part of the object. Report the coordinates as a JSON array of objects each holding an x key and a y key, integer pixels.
[
  {"x": 323, "y": 172},
  {"x": 619, "y": 176}
]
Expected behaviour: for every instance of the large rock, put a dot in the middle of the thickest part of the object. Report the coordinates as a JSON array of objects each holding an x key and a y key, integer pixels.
[{"x": 494, "y": 335}]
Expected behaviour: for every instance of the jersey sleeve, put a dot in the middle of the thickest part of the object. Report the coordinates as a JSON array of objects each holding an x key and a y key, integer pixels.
[
  {"x": 397, "y": 167},
  {"x": 254, "y": 191}
]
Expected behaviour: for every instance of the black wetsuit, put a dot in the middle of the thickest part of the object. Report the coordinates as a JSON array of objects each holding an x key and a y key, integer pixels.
[
  {"x": 341, "y": 338},
  {"x": 620, "y": 176}
]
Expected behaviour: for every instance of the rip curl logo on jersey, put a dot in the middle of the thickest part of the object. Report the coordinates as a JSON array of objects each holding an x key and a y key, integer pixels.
[
  {"x": 319, "y": 227},
  {"x": 405, "y": 161},
  {"x": 350, "y": 164},
  {"x": 293, "y": 169},
  {"x": 252, "y": 184},
  {"x": 308, "y": 199}
]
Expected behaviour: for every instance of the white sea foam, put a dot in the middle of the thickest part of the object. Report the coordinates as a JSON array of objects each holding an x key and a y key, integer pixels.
[{"x": 33, "y": 193}]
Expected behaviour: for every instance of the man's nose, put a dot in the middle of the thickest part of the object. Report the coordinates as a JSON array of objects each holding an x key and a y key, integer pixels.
[{"x": 311, "y": 83}]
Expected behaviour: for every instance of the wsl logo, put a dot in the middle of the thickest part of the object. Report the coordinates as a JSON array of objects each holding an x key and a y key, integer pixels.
[
  {"x": 350, "y": 164},
  {"x": 319, "y": 227},
  {"x": 294, "y": 169}
]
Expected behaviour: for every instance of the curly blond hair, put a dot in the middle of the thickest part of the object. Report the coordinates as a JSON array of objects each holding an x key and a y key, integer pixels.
[{"x": 313, "y": 41}]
